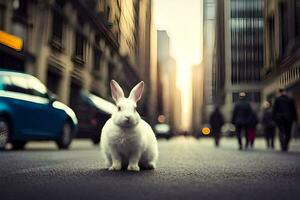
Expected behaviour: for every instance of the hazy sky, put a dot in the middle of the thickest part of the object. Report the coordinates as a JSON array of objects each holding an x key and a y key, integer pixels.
[{"x": 182, "y": 19}]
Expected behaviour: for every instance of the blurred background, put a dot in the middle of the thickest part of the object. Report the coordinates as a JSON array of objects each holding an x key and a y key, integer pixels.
[{"x": 193, "y": 55}]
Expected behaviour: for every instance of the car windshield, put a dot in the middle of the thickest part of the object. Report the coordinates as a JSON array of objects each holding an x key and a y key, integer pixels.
[
  {"x": 37, "y": 87},
  {"x": 16, "y": 84}
]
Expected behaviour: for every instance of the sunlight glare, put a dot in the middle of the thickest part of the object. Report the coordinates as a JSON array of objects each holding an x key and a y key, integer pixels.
[{"x": 184, "y": 30}]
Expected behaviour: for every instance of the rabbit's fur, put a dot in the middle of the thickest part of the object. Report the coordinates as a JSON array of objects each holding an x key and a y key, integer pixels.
[{"x": 126, "y": 139}]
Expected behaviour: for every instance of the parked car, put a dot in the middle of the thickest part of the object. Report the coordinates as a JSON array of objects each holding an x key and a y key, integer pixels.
[
  {"x": 95, "y": 111},
  {"x": 29, "y": 112},
  {"x": 228, "y": 129},
  {"x": 163, "y": 130}
]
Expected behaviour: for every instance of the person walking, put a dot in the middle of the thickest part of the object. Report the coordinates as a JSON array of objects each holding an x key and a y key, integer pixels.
[
  {"x": 251, "y": 129},
  {"x": 240, "y": 117},
  {"x": 284, "y": 114},
  {"x": 216, "y": 122},
  {"x": 269, "y": 125}
]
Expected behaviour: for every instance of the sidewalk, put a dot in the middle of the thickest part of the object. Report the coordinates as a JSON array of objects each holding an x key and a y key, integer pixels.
[{"x": 260, "y": 143}]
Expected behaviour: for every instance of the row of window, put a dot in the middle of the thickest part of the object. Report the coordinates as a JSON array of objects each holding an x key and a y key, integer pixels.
[
  {"x": 284, "y": 20},
  {"x": 250, "y": 21},
  {"x": 19, "y": 14},
  {"x": 246, "y": 5},
  {"x": 80, "y": 40},
  {"x": 285, "y": 27},
  {"x": 245, "y": 76},
  {"x": 297, "y": 17},
  {"x": 209, "y": 9},
  {"x": 290, "y": 76},
  {"x": 20, "y": 8},
  {"x": 246, "y": 13},
  {"x": 248, "y": 56},
  {"x": 246, "y": 41}
]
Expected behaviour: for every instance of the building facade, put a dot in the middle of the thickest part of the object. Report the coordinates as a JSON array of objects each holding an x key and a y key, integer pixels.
[
  {"x": 209, "y": 25},
  {"x": 168, "y": 93},
  {"x": 79, "y": 45},
  {"x": 153, "y": 74},
  {"x": 219, "y": 72},
  {"x": 238, "y": 54},
  {"x": 282, "y": 49},
  {"x": 197, "y": 97}
]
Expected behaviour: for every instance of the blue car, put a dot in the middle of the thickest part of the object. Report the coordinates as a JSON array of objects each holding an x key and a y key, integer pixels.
[{"x": 29, "y": 112}]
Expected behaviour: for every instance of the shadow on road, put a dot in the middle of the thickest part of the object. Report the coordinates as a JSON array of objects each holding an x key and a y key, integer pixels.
[
  {"x": 122, "y": 173},
  {"x": 47, "y": 149}
]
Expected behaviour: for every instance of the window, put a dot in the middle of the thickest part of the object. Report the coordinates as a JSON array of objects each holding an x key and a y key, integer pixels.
[
  {"x": 284, "y": 27},
  {"x": 53, "y": 81},
  {"x": 57, "y": 27},
  {"x": 16, "y": 84},
  {"x": 271, "y": 39},
  {"x": 79, "y": 53},
  {"x": 37, "y": 88},
  {"x": 79, "y": 47},
  {"x": 297, "y": 13},
  {"x": 20, "y": 8},
  {"x": 57, "y": 24},
  {"x": 97, "y": 59},
  {"x": 209, "y": 11},
  {"x": 2, "y": 17}
]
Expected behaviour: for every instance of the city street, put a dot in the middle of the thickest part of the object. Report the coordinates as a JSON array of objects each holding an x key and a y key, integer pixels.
[{"x": 187, "y": 169}]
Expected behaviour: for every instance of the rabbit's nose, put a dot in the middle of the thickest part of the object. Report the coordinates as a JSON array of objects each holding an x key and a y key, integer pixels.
[{"x": 127, "y": 118}]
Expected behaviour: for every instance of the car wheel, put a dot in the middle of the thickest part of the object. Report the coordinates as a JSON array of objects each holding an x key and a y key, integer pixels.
[
  {"x": 18, "y": 145},
  {"x": 4, "y": 133},
  {"x": 66, "y": 137}
]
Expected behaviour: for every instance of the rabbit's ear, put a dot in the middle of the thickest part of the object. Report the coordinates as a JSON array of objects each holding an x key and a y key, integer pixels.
[
  {"x": 116, "y": 91},
  {"x": 136, "y": 92}
]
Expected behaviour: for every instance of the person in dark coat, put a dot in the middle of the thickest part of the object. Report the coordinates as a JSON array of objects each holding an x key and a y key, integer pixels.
[
  {"x": 240, "y": 117},
  {"x": 251, "y": 129},
  {"x": 216, "y": 122},
  {"x": 268, "y": 125},
  {"x": 284, "y": 114}
]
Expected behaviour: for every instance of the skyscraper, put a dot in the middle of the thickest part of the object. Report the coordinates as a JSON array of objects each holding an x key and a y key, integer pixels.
[
  {"x": 209, "y": 25},
  {"x": 239, "y": 47}
]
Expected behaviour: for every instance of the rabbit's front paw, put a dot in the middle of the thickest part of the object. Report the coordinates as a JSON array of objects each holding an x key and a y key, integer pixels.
[
  {"x": 151, "y": 165},
  {"x": 115, "y": 168},
  {"x": 135, "y": 168}
]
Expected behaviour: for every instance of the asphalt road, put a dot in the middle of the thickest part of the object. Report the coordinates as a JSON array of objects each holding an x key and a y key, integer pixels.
[{"x": 187, "y": 169}]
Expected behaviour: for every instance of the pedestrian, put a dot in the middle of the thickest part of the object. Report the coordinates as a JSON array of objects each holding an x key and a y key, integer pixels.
[
  {"x": 216, "y": 122},
  {"x": 269, "y": 125},
  {"x": 251, "y": 129},
  {"x": 240, "y": 117},
  {"x": 284, "y": 114}
]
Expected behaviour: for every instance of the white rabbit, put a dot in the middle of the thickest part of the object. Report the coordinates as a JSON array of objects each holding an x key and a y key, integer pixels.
[{"x": 126, "y": 139}]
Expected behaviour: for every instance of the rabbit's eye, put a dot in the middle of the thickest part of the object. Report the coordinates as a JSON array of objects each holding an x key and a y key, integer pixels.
[{"x": 119, "y": 108}]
